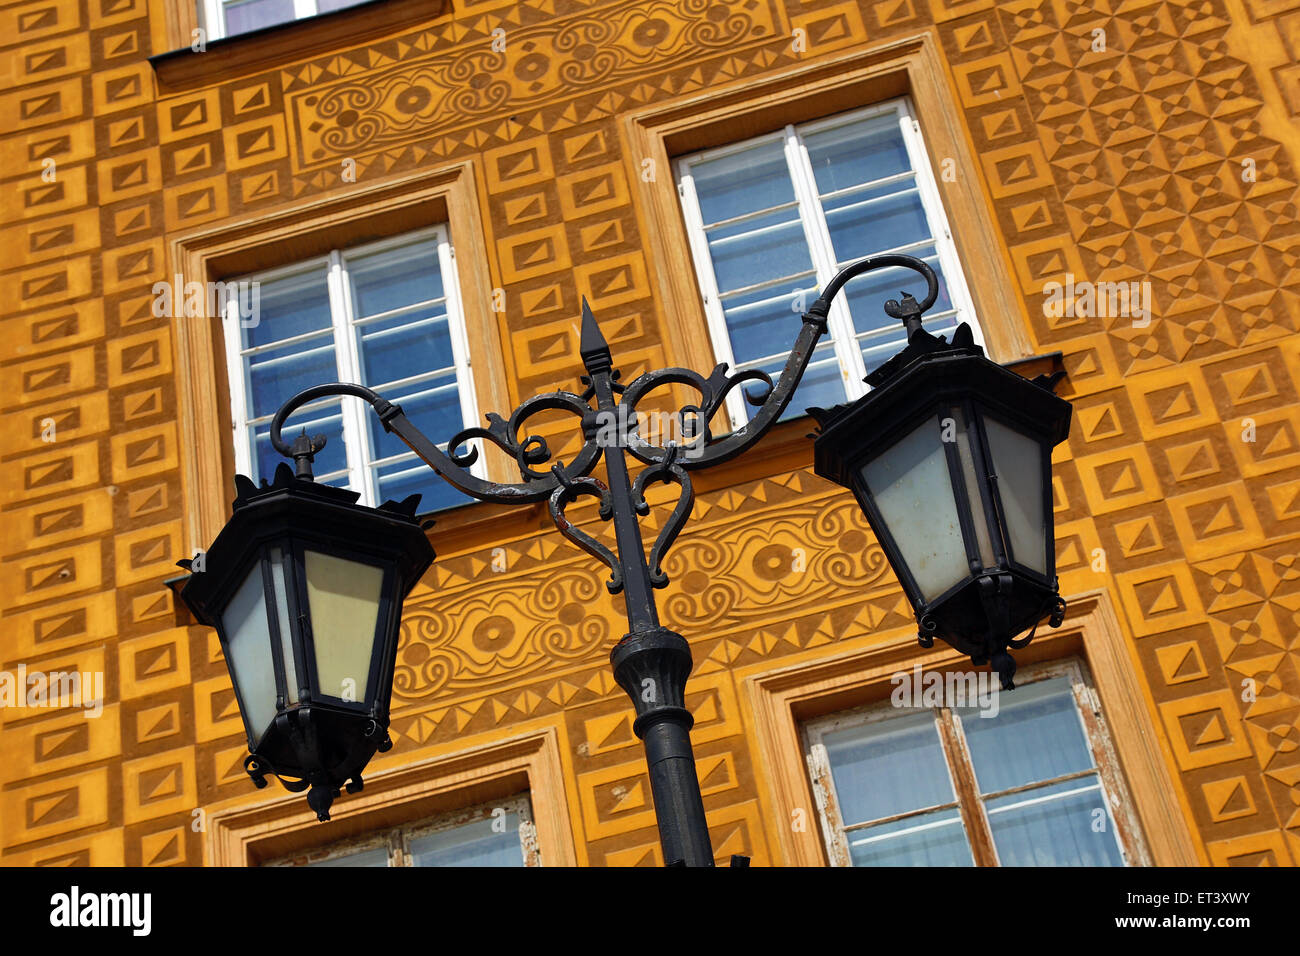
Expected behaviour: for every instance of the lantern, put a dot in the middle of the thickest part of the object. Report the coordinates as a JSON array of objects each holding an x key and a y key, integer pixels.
[
  {"x": 305, "y": 588},
  {"x": 950, "y": 458}
]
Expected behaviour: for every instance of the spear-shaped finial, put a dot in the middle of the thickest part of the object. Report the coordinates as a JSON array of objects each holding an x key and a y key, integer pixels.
[{"x": 593, "y": 347}]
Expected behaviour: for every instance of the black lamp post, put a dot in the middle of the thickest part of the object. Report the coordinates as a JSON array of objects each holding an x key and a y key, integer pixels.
[{"x": 651, "y": 663}]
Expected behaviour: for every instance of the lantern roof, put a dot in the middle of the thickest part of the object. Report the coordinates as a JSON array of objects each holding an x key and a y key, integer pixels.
[
  {"x": 929, "y": 371},
  {"x": 302, "y": 509}
]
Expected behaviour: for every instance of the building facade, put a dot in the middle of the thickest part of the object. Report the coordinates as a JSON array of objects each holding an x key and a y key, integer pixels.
[{"x": 209, "y": 206}]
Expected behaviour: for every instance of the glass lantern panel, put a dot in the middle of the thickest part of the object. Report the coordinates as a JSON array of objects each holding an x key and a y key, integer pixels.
[
  {"x": 1018, "y": 463},
  {"x": 286, "y": 634},
  {"x": 960, "y": 429},
  {"x": 912, "y": 488},
  {"x": 344, "y": 599},
  {"x": 248, "y": 652}
]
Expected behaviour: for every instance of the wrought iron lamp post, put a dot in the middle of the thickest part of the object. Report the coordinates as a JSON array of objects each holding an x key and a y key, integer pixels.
[{"x": 652, "y": 662}]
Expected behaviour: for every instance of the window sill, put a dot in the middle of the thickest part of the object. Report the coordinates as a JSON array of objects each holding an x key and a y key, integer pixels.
[{"x": 184, "y": 68}]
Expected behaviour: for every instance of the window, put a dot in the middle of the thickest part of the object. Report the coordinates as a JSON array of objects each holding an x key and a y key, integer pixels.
[
  {"x": 1029, "y": 786},
  {"x": 490, "y": 834},
  {"x": 386, "y": 315},
  {"x": 773, "y": 218},
  {"x": 228, "y": 17}
]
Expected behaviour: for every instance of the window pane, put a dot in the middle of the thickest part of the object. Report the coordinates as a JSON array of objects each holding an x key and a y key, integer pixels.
[
  {"x": 888, "y": 767},
  {"x": 282, "y": 371},
  {"x": 928, "y": 839},
  {"x": 329, "y": 6},
  {"x": 764, "y": 322},
  {"x": 291, "y": 306},
  {"x": 404, "y": 345},
  {"x": 473, "y": 844},
  {"x": 382, "y": 281},
  {"x": 1055, "y": 825},
  {"x": 1035, "y": 736},
  {"x": 374, "y": 857},
  {"x": 743, "y": 182},
  {"x": 770, "y": 246},
  {"x": 860, "y": 152},
  {"x": 861, "y": 221},
  {"x": 822, "y": 384},
  {"x": 400, "y": 479},
  {"x": 255, "y": 14}
]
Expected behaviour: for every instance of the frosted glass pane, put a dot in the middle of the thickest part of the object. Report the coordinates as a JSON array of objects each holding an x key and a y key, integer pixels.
[
  {"x": 913, "y": 490},
  {"x": 344, "y": 599},
  {"x": 1054, "y": 826},
  {"x": 282, "y": 618},
  {"x": 1018, "y": 463},
  {"x": 929, "y": 839},
  {"x": 474, "y": 844},
  {"x": 248, "y": 640},
  {"x": 374, "y": 857},
  {"x": 888, "y": 767},
  {"x": 1036, "y": 735}
]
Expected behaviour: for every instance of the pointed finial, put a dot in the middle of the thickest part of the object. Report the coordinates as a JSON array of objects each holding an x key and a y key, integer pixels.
[{"x": 593, "y": 347}]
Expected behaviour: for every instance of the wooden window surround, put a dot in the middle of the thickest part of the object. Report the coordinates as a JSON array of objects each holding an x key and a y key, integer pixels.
[
  {"x": 264, "y": 240},
  {"x": 249, "y": 835},
  {"x": 824, "y": 87},
  {"x": 777, "y": 702}
]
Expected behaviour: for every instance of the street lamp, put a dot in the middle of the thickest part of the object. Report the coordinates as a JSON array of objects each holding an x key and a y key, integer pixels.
[
  {"x": 950, "y": 456},
  {"x": 651, "y": 663},
  {"x": 305, "y": 589}
]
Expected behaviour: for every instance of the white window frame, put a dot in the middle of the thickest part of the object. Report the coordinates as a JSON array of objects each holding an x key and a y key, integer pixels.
[
  {"x": 358, "y": 420},
  {"x": 843, "y": 337},
  {"x": 397, "y": 840},
  {"x": 1114, "y": 793},
  {"x": 214, "y": 15}
]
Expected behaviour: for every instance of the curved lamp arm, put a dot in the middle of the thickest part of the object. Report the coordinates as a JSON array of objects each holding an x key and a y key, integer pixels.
[
  {"x": 772, "y": 401},
  {"x": 452, "y": 467},
  {"x": 531, "y": 452}
]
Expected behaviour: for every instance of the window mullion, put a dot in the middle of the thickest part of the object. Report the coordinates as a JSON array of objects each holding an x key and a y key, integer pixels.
[
  {"x": 713, "y": 312},
  {"x": 818, "y": 234},
  {"x": 459, "y": 345},
  {"x": 304, "y": 8},
  {"x": 238, "y": 373},
  {"x": 962, "y": 769},
  {"x": 356, "y": 434}
]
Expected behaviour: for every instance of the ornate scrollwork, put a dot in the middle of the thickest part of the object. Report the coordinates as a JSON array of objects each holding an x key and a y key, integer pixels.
[
  {"x": 667, "y": 471},
  {"x": 569, "y": 490},
  {"x": 608, "y": 416}
]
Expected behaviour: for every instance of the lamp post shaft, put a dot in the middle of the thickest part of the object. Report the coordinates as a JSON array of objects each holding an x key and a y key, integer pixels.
[{"x": 651, "y": 663}]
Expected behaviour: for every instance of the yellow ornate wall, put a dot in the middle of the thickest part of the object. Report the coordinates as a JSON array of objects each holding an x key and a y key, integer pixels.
[{"x": 1127, "y": 163}]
